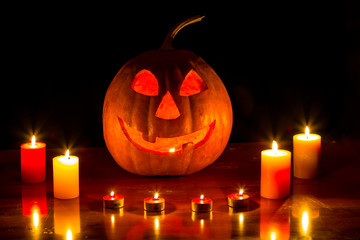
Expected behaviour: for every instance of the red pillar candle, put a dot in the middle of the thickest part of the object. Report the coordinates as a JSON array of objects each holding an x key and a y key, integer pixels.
[
  {"x": 275, "y": 173},
  {"x": 154, "y": 204},
  {"x": 32, "y": 161},
  {"x": 201, "y": 204},
  {"x": 238, "y": 200},
  {"x": 113, "y": 201}
]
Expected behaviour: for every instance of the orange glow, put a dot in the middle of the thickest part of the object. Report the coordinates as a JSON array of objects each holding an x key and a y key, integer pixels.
[
  {"x": 172, "y": 150},
  {"x": 33, "y": 142},
  {"x": 192, "y": 84},
  {"x": 156, "y": 195},
  {"x": 145, "y": 83},
  {"x": 167, "y": 109}
]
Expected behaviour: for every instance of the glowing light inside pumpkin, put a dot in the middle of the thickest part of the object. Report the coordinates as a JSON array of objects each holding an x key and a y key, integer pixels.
[
  {"x": 163, "y": 144},
  {"x": 33, "y": 143},
  {"x": 172, "y": 150},
  {"x": 145, "y": 83},
  {"x": 192, "y": 84},
  {"x": 167, "y": 108}
]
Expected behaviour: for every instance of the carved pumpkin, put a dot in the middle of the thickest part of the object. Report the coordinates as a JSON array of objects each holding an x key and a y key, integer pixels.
[{"x": 166, "y": 112}]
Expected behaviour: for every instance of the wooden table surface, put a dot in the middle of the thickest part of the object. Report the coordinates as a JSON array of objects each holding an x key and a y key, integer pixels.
[{"x": 324, "y": 208}]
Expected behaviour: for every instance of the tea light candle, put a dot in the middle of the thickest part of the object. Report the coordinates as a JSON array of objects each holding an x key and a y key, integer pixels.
[
  {"x": 154, "y": 204},
  {"x": 32, "y": 155},
  {"x": 307, "y": 153},
  {"x": 113, "y": 201},
  {"x": 66, "y": 176},
  {"x": 201, "y": 204},
  {"x": 275, "y": 173},
  {"x": 238, "y": 200}
]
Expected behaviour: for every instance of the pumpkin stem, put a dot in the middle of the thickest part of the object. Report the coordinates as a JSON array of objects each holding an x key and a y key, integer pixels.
[{"x": 171, "y": 35}]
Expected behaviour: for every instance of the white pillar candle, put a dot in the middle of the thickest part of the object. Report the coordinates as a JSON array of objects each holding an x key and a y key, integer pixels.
[{"x": 307, "y": 153}]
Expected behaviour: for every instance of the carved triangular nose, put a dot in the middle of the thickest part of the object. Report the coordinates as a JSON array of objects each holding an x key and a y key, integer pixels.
[{"x": 167, "y": 108}]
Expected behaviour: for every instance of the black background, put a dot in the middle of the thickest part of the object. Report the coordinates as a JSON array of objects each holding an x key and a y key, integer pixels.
[{"x": 283, "y": 64}]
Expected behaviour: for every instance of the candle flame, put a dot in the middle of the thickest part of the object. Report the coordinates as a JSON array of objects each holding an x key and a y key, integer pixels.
[
  {"x": 201, "y": 196},
  {"x": 172, "y": 150},
  {"x": 241, "y": 191},
  {"x": 67, "y": 154},
  {"x": 112, "y": 194},
  {"x": 33, "y": 141},
  {"x": 307, "y": 132},
  {"x": 156, "y": 195},
  {"x": 274, "y": 146}
]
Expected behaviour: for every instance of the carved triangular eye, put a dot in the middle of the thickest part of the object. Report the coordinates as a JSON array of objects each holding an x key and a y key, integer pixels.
[
  {"x": 192, "y": 84},
  {"x": 145, "y": 83}
]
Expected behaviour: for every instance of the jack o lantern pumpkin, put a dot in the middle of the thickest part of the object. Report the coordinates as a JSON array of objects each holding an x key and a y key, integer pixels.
[{"x": 166, "y": 112}]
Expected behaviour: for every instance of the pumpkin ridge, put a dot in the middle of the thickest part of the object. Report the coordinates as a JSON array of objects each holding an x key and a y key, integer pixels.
[
  {"x": 149, "y": 118},
  {"x": 133, "y": 157}
]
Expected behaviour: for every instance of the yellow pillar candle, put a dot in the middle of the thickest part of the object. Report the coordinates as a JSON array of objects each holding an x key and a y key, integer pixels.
[
  {"x": 307, "y": 153},
  {"x": 275, "y": 173},
  {"x": 66, "y": 176}
]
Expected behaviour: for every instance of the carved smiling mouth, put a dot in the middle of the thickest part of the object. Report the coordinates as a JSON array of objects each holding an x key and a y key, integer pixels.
[{"x": 164, "y": 146}]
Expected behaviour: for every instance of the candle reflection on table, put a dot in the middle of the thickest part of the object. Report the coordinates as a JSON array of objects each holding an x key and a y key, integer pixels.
[
  {"x": 274, "y": 219},
  {"x": 34, "y": 196},
  {"x": 67, "y": 216},
  {"x": 114, "y": 222},
  {"x": 305, "y": 222},
  {"x": 237, "y": 223}
]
